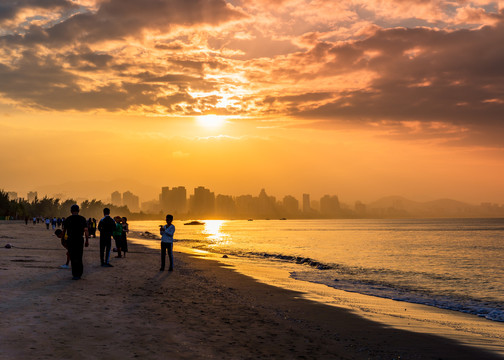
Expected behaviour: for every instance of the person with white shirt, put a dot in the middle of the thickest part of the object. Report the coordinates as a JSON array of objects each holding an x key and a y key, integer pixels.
[{"x": 167, "y": 232}]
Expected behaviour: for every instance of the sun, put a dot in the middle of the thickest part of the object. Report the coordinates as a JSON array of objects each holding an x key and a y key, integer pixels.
[{"x": 211, "y": 121}]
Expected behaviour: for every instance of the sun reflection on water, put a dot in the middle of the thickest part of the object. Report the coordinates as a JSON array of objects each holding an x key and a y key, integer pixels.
[{"x": 214, "y": 232}]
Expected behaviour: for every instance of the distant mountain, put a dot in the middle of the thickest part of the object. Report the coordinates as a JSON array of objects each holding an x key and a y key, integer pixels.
[{"x": 400, "y": 206}]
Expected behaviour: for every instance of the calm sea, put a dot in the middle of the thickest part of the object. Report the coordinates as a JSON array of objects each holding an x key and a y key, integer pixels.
[{"x": 455, "y": 264}]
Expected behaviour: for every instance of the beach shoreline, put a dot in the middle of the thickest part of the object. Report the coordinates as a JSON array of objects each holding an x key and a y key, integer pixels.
[{"x": 204, "y": 309}]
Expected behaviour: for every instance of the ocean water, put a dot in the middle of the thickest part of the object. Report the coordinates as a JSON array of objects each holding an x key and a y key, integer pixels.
[{"x": 455, "y": 264}]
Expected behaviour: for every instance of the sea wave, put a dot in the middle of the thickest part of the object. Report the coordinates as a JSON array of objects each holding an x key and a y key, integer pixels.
[{"x": 490, "y": 310}]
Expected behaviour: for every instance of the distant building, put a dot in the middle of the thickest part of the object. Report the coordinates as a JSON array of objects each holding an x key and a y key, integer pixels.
[
  {"x": 173, "y": 201},
  {"x": 329, "y": 205},
  {"x": 116, "y": 198},
  {"x": 306, "y": 203},
  {"x": 12, "y": 195},
  {"x": 246, "y": 205},
  {"x": 291, "y": 205},
  {"x": 164, "y": 198},
  {"x": 32, "y": 195},
  {"x": 202, "y": 202},
  {"x": 131, "y": 201},
  {"x": 225, "y": 206},
  {"x": 178, "y": 199},
  {"x": 266, "y": 204}
]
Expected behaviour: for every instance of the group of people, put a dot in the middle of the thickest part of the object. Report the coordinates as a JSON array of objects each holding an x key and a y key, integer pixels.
[
  {"x": 75, "y": 236},
  {"x": 58, "y": 221}
]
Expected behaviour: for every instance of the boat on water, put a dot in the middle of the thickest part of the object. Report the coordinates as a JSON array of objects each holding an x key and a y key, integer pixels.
[{"x": 194, "y": 222}]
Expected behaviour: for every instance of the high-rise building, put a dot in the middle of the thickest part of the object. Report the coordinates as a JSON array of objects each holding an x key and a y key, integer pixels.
[
  {"x": 290, "y": 204},
  {"x": 202, "y": 202},
  {"x": 116, "y": 198},
  {"x": 12, "y": 195},
  {"x": 164, "y": 198},
  {"x": 329, "y": 205},
  {"x": 178, "y": 198},
  {"x": 173, "y": 201},
  {"x": 266, "y": 204},
  {"x": 246, "y": 205},
  {"x": 225, "y": 205},
  {"x": 32, "y": 195},
  {"x": 306, "y": 203},
  {"x": 131, "y": 201}
]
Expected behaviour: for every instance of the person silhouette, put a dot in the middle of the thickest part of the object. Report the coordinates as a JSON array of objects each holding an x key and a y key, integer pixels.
[
  {"x": 106, "y": 226},
  {"x": 75, "y": 226}
]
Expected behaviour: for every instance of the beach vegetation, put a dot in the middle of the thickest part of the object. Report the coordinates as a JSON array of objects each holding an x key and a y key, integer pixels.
[{"x": 52, "y": 207}]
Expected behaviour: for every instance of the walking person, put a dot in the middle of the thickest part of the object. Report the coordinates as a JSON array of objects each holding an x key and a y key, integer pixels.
[
  {"x": 106, "y": 227},
  {"x": 167, "y": 232},
  {"x": 75, "y": 226}
]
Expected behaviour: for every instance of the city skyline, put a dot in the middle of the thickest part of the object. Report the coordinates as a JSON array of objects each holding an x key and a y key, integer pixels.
[{"x": 204, "y": 203}]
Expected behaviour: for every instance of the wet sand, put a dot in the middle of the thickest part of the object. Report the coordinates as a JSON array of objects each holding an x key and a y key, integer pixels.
[{"x": 202, "y": 310}]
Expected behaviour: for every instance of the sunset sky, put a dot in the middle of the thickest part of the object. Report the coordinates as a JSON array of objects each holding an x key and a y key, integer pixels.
[{"x": 360, "y": 99}]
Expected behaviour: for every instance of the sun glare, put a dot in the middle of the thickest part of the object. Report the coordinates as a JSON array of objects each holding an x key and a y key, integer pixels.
[{"x": 211, "y": 121}]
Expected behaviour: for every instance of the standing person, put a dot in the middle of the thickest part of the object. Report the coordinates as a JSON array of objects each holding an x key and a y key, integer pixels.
[
  {"x": 75, "y": 227},
  {"x": 53, "y": 223},
  {"x": 167, "y": 232},
  {"x": 117, "y": 234},
  {"x": 34, "y": 220},
  {"x": 47, "y": 223},
  {"x": 124, "y": 242},
  {"x": 106, "y": 227}
]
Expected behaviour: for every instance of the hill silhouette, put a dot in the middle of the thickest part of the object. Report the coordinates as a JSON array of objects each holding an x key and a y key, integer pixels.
[{"x": 400, "y": 206}]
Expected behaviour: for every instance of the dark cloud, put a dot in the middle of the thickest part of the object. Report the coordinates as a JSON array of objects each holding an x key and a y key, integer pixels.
[
  {"x": 87, "y": 60},
  {"x": 422, "y": 75},
  {"x": 9, "y": 9},
  {"x": 118, "y": 19}
]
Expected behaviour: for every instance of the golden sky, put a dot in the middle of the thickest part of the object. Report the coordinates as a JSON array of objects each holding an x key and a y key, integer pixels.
[{"x": 360, "y": 99}]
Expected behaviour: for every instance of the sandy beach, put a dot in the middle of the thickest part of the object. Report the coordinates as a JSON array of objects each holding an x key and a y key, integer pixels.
[{"x": 202, "y": 310}]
